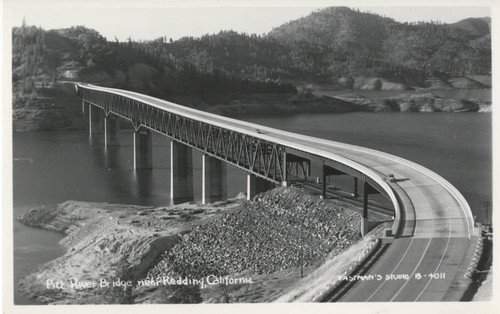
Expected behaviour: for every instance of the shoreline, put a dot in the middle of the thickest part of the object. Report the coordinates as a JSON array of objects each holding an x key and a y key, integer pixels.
[
  {"x": 110, "y": 230},
  {"x": 33, "y": 247},
  {"x": 235, "y": 105}
]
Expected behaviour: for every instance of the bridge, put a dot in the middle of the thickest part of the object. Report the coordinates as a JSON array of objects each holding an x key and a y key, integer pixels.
[{"x": 433, "y": 230}]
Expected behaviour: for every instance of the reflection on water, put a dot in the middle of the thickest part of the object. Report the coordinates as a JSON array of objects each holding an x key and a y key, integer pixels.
[
  {"x": 143, "y": 182},
  {"x": 111, "y": 157}
]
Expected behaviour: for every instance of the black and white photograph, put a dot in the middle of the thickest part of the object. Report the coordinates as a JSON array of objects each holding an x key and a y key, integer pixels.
[{"x": 325, "y": 154}]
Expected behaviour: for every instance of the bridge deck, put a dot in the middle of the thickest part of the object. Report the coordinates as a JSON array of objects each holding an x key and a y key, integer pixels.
[{"x": 436, "y": 218}]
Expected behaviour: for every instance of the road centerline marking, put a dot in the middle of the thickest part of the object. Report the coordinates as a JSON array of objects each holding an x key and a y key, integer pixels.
[
  {"x": 440, "y": 261},
  {"x": 414, "y": 271},
  {"x": 392, "y": 272}
]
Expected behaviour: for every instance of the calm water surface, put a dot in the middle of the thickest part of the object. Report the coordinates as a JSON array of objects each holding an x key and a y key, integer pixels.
[{"x": 53, "y": 167}]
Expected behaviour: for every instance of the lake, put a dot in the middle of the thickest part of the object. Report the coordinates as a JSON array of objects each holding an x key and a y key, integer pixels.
[{"x": 53, "y": 167}]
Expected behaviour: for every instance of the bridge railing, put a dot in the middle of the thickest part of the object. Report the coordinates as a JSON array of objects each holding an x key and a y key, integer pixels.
[{"x": 464, "y": 205}]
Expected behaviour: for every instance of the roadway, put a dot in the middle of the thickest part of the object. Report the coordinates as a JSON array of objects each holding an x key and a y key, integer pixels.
[{"x": 437, "y": 224}]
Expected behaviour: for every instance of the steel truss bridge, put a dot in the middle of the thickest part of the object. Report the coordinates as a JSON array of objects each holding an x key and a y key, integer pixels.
[{"x": 433, "y": 227}]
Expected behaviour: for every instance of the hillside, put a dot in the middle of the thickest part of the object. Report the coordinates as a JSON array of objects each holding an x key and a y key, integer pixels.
[
  {"x": 333, "y": 48},
  {"x": 358, "y": 43},
  {"x": 43, "y": 61}
]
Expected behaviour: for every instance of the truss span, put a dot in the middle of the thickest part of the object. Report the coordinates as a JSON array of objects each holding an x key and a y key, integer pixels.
[{"x": 421, "y": 204}]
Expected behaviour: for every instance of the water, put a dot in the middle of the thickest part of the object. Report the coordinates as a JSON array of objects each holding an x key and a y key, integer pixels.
[
  {"x": 32, "y": 248},
  {"x": 53, "y": 167}
]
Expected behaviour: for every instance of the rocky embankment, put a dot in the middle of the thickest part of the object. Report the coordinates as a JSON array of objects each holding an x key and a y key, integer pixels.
[
  {"x": 426, "y": 102},
  {"x": 54, "y": 107},
  {"x": 125, "y": 248},
  {"x": 408, "y": 83},
  {"x": 265, "y": 236},
  {"x": 315, "y": 101}
]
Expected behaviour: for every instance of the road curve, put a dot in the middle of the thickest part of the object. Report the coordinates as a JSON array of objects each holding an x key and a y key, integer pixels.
[{"x": 437, "y": 223}]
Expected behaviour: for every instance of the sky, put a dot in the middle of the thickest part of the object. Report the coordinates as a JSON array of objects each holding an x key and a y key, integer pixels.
[{"x": 150, "y": 19}]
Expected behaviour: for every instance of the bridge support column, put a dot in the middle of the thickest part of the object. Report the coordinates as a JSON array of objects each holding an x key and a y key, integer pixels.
[
  {"x": 328, "y": 171},
  {"x": 181, "y": 173},
  {"x": 143, "y": 149},
  {"x": 96, "y": 120},
  {"x": 323, "y": 182},
  {"x": 355, "y": 193},
  {"x": 367, "y": 189},
  {"x": 256, "y": 185},
  {"x": 364, "y": 217},
  {"x": 284, "y": 169},
  {"x": 214, "y": 184},
  {"x": 111, "y": 130}
]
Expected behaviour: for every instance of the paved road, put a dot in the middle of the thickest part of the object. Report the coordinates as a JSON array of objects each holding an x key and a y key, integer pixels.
[
  {"x": 437, "y": 222},
  {"x": 434, "y": 267}
]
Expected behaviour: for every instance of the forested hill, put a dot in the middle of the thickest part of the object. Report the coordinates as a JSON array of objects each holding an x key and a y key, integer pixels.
[
  {"x": 330, "y": 43},
  {"x": 340, "y": 42},
  {"x": 349, "y": 42},
  {"x": 337, "y": 46}
]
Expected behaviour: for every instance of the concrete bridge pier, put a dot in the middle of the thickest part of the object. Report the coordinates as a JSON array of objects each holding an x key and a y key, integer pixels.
[
  {"x": 111, "y": 130},
  {"x": 355, "y": 188},
  {"x": 96, "y": 120},
  {"x": 214, "y": 183},
  {"x": 143, "y": 149},
  {"x": 367, "y": 190},
  {"x": 181, "y": 173},
  {"x": 256, "y": 185}
]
